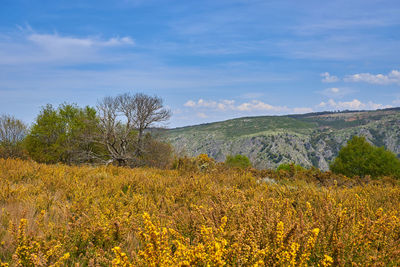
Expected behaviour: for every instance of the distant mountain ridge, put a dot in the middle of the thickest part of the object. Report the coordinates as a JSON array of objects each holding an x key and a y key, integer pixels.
[{"x": 312, "y": 139}]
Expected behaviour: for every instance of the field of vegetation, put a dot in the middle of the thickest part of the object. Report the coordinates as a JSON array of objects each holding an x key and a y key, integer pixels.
[{"x": 203, "y": 214}]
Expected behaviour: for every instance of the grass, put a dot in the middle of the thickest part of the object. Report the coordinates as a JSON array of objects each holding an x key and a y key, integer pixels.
[{"x": 102, "y": 216}]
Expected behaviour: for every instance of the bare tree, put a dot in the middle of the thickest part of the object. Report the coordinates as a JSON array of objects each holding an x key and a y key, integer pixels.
[
  {"x": 12, "y": 133},
  {"x": 148, "y": 111},
  {"x": 123, "y": 120}
]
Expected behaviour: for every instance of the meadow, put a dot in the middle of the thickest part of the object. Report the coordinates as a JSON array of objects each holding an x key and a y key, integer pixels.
[{"x": 58, "y": 215}]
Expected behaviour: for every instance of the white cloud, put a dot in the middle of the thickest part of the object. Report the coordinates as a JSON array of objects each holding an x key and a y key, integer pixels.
[
  {"x": 34, "y": 48},
  {"x": 392, "y": 77},
  {"x": 201, "y": 103},
  {"x": 355, "y": 104},
  {"x": 201, "y": 115},
  {"x": 258, "y": 105},
  {"x": 336, "y": 92},
  {"x": 246, "y": 107},
  {"x": 302, "y": 110},
  {"x": 53, "y": 41},
  {"x": 208, "y": 104},
  {"x": 190, "y": 103},
  {"x": 327, "y": 78}
]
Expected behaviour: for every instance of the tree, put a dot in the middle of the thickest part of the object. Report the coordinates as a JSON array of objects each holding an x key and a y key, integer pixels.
[
  {"x": 148, "y": 110},
  {"x": 62, "y": 135},
  {"x": 359, "y": 158},
  {"x": 156, "y": 153},
  {"x": 12, "y": 133},
  {"x": 122, "y": 122},
  {"x": 239, "y": 161}
]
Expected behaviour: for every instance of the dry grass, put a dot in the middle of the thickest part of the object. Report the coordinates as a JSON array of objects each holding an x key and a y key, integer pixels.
[{"x": 87, "y": 216}]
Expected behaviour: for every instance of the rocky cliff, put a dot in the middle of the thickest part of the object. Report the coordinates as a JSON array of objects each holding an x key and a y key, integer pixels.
[{"x": 309, "y": 140}]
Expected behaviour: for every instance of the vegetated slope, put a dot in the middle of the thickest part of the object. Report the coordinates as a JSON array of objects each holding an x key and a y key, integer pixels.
[
  {"x": 312, "y": 139},
  {"x": 110, "y": 216}
]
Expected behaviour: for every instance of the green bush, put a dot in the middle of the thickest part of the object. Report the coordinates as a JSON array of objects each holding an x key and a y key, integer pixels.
[
  {"x": 239, "y": 161},
  {"x": 290, "y": 167},
  {"x": 359, "y": 158}
]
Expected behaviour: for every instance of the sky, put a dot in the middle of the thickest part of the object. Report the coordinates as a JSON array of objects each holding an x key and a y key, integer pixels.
[{"x": 207, "y": 60}]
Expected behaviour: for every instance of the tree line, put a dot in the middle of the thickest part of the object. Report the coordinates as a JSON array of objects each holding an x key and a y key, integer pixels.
[{"x": 119, "y": 130}]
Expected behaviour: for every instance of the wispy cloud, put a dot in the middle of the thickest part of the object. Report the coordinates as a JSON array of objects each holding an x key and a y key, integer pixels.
[
  {"x": 55, "y": 41},
  {"x": 302, "y": 110},
  {"x": 392, "y": 77},
  {"x": 220, "y": 105},
  {"x": 355, "y": 104},
  {"x": 329, "y": 25},
  {"x": 337, "y": 92},
  {"x": 201, "y": 115},
  {"x": 30, "y": 47},
  {"x": 327, "y": 78},
  {"x": 257, "y": 105},
  {"x": 245, "y": 107}
]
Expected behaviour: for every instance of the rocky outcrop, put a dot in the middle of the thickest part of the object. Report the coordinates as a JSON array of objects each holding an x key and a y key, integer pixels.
[{"x": 268, "y": 149}]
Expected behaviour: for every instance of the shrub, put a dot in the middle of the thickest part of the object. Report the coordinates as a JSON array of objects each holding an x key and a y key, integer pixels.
[
  {"x": 58, "y": 215},
  {"x": 239, "y": 161},
  {"x": 290, "y": 167},
  {"x": 200, "y": 163},
  {"x": 359, "y": 158},
  {"x": 155, "y": 154}
]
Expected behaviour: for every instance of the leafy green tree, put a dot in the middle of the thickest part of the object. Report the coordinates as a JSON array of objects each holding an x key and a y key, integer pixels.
[
  {"x": 63, "y": 135},
  {"x": 239, "y": 161},
  {"x": 359, "y": 158}
]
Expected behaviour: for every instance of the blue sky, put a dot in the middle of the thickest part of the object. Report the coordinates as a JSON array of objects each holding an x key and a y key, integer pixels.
[{"x": 208, "y": 60}]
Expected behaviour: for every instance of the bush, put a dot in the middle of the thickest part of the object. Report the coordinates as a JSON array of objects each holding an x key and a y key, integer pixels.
[
  {"x": 56, "y": 215},
  {"x": 200, "y": 163},
  {"x": 290, "y": 168},
  {"x": 359, "y": 158},
  {"x": 155, "y": 154},
  {"x": 239, "y": 161}
]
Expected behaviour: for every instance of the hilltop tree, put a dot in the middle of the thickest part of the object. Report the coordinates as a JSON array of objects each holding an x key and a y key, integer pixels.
[
  {"x": 122, "y": 122},
  {"x": 359, "y": 158},
  {"x": 12, "y": 133}
]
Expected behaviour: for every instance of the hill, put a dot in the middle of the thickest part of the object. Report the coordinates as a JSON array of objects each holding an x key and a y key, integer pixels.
[{"x": 312, "y": 139}]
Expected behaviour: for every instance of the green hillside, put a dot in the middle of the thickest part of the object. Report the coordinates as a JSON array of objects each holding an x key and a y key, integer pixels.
[
  {"x": 308, "y": 139},
  {"x": 252, "y": 125}
]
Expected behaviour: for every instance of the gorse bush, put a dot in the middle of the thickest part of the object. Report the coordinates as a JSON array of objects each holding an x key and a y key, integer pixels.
[
  {"x": 359, "y": 158},
  {"x": 115, "y": 216},
  {"x": 200, "y": 163}
]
